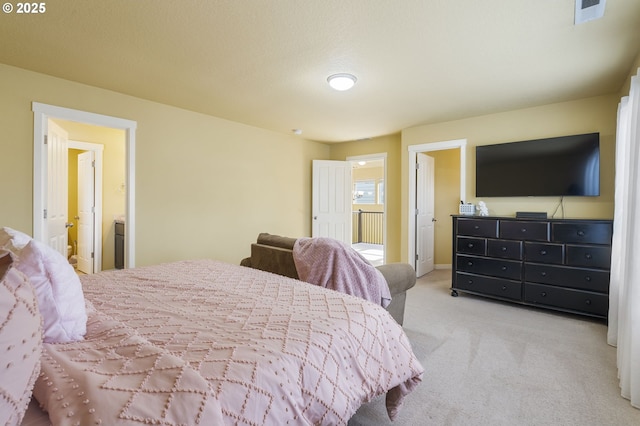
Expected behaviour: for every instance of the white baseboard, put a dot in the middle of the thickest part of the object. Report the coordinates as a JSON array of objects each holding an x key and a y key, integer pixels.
[{"x": 443, "y": 266}]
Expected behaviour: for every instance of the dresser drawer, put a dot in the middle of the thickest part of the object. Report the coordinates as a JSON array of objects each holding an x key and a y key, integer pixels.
[
  {"x": 472, "y": 245},
  {"x": 589, "y": 256},
  {"x": 524, "y": 230},
  {"x": 506, "y": 249},
  {"x": 567, "y": 299},
  {"x": 564, "y": 276},
  {"x": 510, "y": 269},
  {"x": 545, "y": 253},
  {"x": 488, "y": 285},
  {"x": 478, "y": 227},
  {"x": 582, "y": 233}
]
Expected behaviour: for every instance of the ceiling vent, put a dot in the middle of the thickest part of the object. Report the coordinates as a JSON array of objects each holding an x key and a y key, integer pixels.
[{"x": 588, "y": 10}]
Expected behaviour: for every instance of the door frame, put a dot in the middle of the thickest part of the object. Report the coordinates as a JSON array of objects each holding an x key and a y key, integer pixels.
[
  {"x": 368, "y": 157},
  {"x": 41, "y": 113},
  {"x": 98, "y": 150},
  {"x": 460, "y": 144}
]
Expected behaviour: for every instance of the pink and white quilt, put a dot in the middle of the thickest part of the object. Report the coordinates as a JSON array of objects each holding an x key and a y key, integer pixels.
[{"x": 205, "y": 342}]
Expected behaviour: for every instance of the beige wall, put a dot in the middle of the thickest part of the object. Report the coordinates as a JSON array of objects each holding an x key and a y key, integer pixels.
[
  {"x": 205, "y": 187},
  {"x": 447, "y": 200},
  {"x": 391, "y": 146},
  {"x": 113, "y": 179},
  {"x": 596, "y": 114}
]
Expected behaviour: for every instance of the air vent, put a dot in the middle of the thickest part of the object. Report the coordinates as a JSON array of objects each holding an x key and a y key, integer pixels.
[{"x": 588, "y": 10}]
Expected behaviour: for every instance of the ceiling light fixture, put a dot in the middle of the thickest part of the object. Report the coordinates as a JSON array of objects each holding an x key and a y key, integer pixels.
[{"x": 342, "y": 81}]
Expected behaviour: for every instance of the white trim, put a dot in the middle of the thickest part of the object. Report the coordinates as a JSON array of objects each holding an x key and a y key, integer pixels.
[
  {"x": 41, "y": 113},
  {"x": 443, "y": 266},
  {"x": 383, "y": 156},
  {"x": 98, "y": 150},
  {"x": 413, "y": 155}
]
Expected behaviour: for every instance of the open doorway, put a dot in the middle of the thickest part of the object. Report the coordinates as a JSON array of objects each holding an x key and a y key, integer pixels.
[
  {"x": 419, "y": 244},
  {"x": 44, "y": 115},
  {"x": 368, "y": 225},
  {"x": 86, "y": 205}
]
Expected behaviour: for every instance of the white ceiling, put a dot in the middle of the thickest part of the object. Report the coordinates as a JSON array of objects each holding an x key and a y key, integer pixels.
[{"x": 265, "y": 62}]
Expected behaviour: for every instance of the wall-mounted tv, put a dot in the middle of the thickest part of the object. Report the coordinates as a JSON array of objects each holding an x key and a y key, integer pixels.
[{"x": 559, "y": 166}]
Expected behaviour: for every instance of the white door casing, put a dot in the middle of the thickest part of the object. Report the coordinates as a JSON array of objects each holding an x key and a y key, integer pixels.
[
  {"x": 86, "y": 209},
  {"x": 57, "y": 188},
  {"x": 460, "y": 144},
  {"x": 331, "y": 200},
  {"x": 425, "y": 190},
  {"x": 41, "y": 114}
]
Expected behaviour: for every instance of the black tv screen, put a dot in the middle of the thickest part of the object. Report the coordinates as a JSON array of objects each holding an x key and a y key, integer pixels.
[{"x": 560, "y": 166}]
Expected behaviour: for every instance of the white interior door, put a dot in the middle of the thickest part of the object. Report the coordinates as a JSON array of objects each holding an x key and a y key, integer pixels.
[
  {"x": 425, "y": 217},
  {"x": 331, "y": 200},
  {"x": 57, "y": 188},
  {"x": 86, "y": 209}
]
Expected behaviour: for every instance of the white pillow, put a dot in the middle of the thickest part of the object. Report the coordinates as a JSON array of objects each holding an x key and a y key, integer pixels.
[
  {"x": 60, "y": 297},
  {"x": 13, "y": 240},
  {"x": 20, "y": 341}
]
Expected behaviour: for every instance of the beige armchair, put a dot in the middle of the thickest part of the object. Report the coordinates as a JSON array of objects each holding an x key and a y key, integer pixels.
[{"x": 274, "y": 253}]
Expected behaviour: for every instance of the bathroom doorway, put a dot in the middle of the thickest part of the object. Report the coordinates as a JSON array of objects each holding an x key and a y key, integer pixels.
[{"x": 125, "y": 185}]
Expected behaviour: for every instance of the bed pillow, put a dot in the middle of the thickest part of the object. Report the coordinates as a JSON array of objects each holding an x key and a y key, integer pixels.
[
  {"x": 13, "y": 240},
  {"x": 59, "y": 292},
  {"x": 20, "y": 341}
]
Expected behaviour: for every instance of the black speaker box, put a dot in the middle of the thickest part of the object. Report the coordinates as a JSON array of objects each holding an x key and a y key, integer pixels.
[{"x": 531, "y": 215}]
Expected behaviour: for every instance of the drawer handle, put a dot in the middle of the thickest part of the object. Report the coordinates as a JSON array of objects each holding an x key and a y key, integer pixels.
[
  {"x": 543, "y": 294},
  {"x": 588, "y": 256},
  {"x": 469, "y": 263},
  {"x": 543, "y": 252},
  {"x": 504, "y": 268},
  {"x": 476, "y": 227},
  {"x": 523, "y": 230},
  {"x": 587, "y": 278},
  {"x": 504, "y": 288},
  {"x": 470, "y": 245},
  {"x": 544, "y": 274},
  {"x": 580, "y": 233},
  {"x": 588, "y": 301},
  {"x": 503, "y": 248},
  {"x": 470, "y": 282}
]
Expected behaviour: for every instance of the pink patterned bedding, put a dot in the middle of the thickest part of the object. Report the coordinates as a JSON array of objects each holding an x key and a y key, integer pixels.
[{"x": 205, "y": 342}]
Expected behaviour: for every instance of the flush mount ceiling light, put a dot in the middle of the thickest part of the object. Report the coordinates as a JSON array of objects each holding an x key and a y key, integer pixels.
[{"x": 342, "y": 81}]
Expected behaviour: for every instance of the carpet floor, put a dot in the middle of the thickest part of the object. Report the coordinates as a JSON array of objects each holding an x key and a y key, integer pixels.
[{"x": 493, "y": 363}]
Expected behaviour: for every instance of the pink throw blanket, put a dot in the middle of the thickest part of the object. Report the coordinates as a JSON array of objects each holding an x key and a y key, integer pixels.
[{"x": 333, "y": 264}]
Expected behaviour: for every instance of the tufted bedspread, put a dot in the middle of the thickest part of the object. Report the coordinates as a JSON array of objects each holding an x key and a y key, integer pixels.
[{"x": 205, "y": 342}]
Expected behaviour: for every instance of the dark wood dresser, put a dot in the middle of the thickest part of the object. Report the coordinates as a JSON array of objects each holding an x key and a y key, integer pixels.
[{"x": 560, "y": 264}]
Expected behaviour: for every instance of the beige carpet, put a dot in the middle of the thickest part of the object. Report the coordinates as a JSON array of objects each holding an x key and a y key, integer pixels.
[{"x": 494, "y": 363}]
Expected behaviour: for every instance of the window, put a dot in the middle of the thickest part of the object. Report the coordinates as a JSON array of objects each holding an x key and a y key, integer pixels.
[{"x": 364, "y": 192}]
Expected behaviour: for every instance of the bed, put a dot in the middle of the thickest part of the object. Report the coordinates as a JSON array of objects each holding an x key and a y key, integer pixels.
[{"x": 206, "y": 342}]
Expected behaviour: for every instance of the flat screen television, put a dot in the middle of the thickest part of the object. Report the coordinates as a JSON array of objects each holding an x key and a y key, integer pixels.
[{"x": 559, "y": 166}]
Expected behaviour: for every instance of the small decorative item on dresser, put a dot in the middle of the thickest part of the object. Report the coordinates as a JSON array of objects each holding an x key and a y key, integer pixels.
[
  {"x": 467, "y": 209},
  {"x": 483, "y": 209}
]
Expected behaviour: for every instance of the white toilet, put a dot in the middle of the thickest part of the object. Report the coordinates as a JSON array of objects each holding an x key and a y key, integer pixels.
[{"x": 73, "y": 259}]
